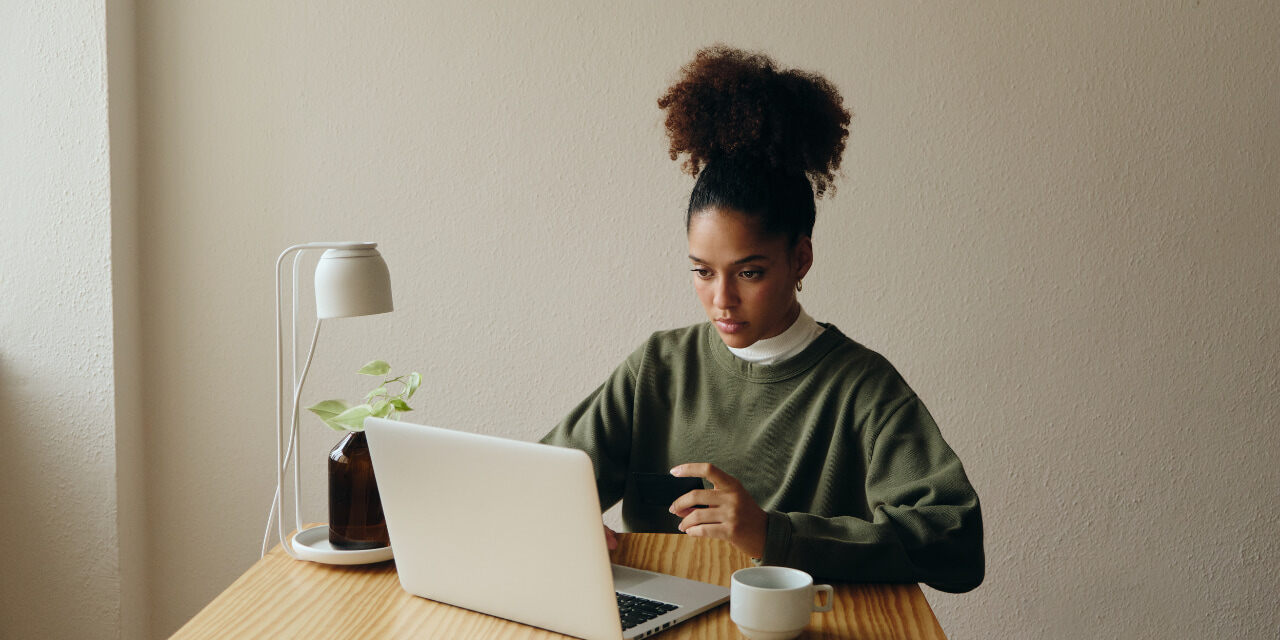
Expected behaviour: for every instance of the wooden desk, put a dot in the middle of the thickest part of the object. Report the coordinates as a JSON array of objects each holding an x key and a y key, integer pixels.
[{"x": 279, "y": 597}]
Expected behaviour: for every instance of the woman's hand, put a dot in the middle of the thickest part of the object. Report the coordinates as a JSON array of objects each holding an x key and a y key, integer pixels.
[
  {"x": 610, "y": 538},
  {"x": 730, "y": 512}
]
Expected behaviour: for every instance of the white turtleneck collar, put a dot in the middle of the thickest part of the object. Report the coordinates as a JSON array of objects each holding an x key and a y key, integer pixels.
[{"x": 784, "y": 345}]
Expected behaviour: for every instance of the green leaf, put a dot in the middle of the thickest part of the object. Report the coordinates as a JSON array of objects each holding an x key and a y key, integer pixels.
[
  {"x": 335, "y": 426},
  {"x": 400, "y": 405},
  {"x": 375, "y": 368},
  {"x": 353, "y": 418},
  {"x": 328, "y": 409},
  {"x": 415, "y": 379},
  {"x": 381, "y": 409},
  {"x": 379, "y": 391}
]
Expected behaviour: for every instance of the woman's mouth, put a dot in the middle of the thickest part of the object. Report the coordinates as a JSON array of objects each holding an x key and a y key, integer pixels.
[{"x": 730, "y": 326}]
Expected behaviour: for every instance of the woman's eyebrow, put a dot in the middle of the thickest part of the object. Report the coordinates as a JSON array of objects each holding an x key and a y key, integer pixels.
[{"x": 751, "y": 258}]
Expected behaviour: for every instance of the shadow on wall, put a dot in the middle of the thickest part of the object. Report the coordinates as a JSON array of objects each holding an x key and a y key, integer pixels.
[
  {"x": 54, "y": 587},
  {"x": 31, "y": 502}
]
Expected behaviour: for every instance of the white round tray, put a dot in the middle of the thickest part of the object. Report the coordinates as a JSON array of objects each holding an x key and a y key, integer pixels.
[{"x": 313, "y": 544}]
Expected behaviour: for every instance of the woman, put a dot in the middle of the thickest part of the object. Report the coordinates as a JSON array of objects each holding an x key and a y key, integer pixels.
[{"x": 818, "y": 454}]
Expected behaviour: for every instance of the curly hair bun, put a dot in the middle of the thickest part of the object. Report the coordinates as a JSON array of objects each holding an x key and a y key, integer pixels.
[{"x": 735, "y": 104}]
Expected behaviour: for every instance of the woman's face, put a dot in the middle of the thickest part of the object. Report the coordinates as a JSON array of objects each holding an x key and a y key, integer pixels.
[{"x": 745, "y": 280}]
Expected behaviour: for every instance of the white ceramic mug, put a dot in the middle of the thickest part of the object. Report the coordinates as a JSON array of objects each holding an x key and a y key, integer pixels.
[{"x": 774, "y": 603}]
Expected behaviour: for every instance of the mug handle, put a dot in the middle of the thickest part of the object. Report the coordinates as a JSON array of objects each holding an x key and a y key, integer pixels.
[{"x": 831, "y": 597}]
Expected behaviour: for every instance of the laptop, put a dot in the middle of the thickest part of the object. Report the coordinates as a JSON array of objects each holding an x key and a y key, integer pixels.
[{"x": 513, "y": 529}]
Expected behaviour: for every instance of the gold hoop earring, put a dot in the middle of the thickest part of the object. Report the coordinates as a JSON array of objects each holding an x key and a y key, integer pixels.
[{"x": 799, "y": 285}]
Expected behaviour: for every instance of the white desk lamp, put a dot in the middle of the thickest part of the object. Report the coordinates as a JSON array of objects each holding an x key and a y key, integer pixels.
[{"x": 351, "y": 280}]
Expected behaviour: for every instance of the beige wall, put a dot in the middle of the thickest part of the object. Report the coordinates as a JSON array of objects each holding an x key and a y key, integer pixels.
[
  {"x": 1059, "y": 223},
  {"x": 61, "y": 575},
  {"x": 132, "y": 523}
]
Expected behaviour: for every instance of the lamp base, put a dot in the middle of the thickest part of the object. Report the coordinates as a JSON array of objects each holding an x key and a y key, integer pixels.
[{"x": 313, "y": 544}]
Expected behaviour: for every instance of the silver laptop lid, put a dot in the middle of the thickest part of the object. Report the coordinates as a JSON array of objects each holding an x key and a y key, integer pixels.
[{"x": 507, "y": 528}]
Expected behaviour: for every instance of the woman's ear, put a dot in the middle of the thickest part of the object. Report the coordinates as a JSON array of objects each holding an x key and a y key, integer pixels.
[{"x": 802, "y": 256}]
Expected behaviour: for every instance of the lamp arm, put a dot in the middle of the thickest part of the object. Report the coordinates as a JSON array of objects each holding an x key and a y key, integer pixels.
[
  {"x": 295, "y": 388},
  {"x": 282, "y": 458}
]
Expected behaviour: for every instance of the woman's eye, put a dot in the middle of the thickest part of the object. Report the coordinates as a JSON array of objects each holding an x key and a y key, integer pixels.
[
  {"x": 751, "y": 275},
  {"x": 701, "y": 273}
]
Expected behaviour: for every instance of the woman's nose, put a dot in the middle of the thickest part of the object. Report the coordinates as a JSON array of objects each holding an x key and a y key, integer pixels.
[{"x": 726, "y": 295}]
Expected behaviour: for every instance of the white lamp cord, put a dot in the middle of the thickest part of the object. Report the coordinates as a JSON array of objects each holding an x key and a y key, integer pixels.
[{"x": 292, "y": 448}]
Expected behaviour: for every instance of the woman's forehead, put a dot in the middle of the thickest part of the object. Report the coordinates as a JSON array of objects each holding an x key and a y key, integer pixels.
[{"x": 727, "y": 236}]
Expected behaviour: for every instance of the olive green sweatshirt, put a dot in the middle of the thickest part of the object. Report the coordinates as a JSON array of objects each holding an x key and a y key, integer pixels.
[{"x": 855, "y": 477}]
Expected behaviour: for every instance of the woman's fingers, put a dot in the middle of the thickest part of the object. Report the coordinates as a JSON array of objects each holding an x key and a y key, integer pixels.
[
  {"x": 745, "y": 528},
  {"x": 719, "y": 479},
  {"x": 704, "y": 518},
  {"x": 696, "y": 499}
]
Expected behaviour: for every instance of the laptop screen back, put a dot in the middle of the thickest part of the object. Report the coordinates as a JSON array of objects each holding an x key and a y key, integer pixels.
[{"x": 499, "y": 526}]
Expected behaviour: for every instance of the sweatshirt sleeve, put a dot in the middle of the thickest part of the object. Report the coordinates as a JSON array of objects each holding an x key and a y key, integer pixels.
[
  {"x": 926, "y": 522},
  {"x": 601, "y": 426}
]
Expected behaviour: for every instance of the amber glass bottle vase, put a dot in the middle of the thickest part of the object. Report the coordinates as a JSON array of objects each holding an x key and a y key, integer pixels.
[{"x": 355, "y": 509}]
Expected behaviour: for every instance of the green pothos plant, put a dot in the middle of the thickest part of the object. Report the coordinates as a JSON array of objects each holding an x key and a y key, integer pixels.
[{"x": 379, "y": 403}]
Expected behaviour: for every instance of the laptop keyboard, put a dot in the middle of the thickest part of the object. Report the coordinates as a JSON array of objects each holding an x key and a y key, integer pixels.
[{"x": 637, "y": 610}]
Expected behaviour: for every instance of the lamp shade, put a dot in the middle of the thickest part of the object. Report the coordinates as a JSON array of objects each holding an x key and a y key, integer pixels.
[{"x": 352, "y": 282}]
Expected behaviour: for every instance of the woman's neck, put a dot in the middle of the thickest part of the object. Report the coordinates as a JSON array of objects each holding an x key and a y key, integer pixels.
[{"x": 802, "y": 332}]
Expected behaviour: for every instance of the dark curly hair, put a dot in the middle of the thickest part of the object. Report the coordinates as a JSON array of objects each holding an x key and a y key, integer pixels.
[{"x": 760, "y": 141}]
